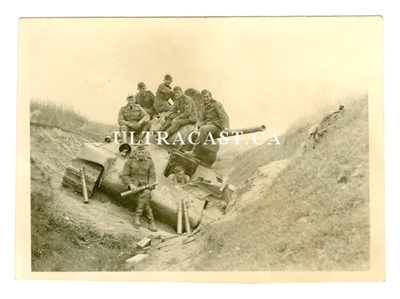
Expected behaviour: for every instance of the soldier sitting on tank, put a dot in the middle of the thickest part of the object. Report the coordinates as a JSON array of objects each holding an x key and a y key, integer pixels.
[
  {"x": 163, "y": 94},
  {"x": 133, "y": 118},
  {"x": 213, "y": 120},
  {"x": 183, "y": 112},
  {"x": 179, "y": 176},
  {"x": 145, "y": 98},
  {"x": 139, "y": 171}
]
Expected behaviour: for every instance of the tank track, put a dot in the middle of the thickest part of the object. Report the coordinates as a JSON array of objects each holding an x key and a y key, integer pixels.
[{"x": 72, "y": 175}]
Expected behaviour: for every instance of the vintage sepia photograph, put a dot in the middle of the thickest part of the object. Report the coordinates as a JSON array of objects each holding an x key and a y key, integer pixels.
[{"x": 200, "y": 149}]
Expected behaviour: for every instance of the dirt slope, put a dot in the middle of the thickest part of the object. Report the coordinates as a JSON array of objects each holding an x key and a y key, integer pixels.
[{"x": 314, "y": 215}]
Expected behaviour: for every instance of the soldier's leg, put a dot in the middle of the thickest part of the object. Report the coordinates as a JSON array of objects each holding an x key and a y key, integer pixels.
[
  {"x": 204, "y": 133},
  {"x": 176, "y": 125},
  {"x": 168, "y": 122},
  {"x": 145, "y": 126},
  {"x": 148, "y": 213},
  {"x": 142, "y": 202},
  {"x": 162, "y": 106},
  {"x": 151, "y": 112}
]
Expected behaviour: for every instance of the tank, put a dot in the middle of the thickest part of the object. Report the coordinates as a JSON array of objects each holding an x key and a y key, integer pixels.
[{"x": 103, "y": 163}]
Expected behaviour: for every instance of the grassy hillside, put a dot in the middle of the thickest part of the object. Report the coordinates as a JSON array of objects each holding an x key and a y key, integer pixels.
[
  {"x": 315, "y": 216},
  {"x": 249, "y": 161},
  {"x": 67, "y": 119}
]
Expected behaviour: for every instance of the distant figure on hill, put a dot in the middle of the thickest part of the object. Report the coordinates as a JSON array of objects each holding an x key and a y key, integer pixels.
[
  {"x": 327, "y": 119},
  {"x": 179, "y": 177},
  {"x": 316, "y": 131}
]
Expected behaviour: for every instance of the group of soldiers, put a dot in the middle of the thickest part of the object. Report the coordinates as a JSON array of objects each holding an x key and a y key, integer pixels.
[{"x": 178, "y": 110}]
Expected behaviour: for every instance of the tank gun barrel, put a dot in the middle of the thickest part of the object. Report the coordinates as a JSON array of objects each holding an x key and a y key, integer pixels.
[{"x": 244, "y": 131}]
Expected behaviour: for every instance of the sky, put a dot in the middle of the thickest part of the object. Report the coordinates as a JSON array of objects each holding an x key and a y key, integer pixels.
[{"x": 265, "y": 71}]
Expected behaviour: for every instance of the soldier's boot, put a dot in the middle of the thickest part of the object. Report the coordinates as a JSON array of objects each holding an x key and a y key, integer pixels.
[
  {"x": 150, "y": 219},
  {"x": 139, "y": 210}
]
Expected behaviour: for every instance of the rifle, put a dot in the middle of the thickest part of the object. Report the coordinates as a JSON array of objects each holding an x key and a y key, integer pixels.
[{"x": 137, "y": 190}]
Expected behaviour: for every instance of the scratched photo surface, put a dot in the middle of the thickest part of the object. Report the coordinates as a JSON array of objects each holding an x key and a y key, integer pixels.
[{"x": 292, "y": 191}]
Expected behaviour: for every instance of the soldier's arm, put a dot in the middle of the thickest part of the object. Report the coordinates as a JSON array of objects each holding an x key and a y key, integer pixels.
[
  {"x": 201, "y": 118},
  {"x": 152, "y": 173},
  {"x": 137, "y": 99},
  {"x": 222, "y": 115},
  {"x": 188, "y": 108},
  {"x": 121, "y": 120},
  {"x": 173, "y": 109},
  {"x": 126, "y": 171},
  {"x": 165, "y": 89},
  {"x": 151, "y": 97},
  {"x": 143, "y": 115}
]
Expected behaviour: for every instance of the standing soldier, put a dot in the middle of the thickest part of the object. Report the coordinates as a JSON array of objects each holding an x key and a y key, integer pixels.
[
  {"x": 145, "y": 98},
  {"x": 213, "y": 119},
  {"x": 183, "y": 112},
  {"x": 163, "y": 94},
  {"x": 139, "y": 171},
  {"x": 134, "y": 118}
]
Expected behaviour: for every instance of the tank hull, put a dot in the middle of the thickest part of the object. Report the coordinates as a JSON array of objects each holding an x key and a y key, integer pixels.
[{"x": 108, "y": 163}]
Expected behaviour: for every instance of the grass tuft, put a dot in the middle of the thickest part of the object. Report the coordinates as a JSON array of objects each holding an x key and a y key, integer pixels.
[{"x": 66, "y": 118}]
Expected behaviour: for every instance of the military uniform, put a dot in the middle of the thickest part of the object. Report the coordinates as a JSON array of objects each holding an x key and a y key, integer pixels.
[
  {"x": 130, "y": 117},
  {"x": 140, "y": 172},
  {"x": 183, "y": 112},
  {"x": 163, "y": 94},
  {"x": 146, "y": 101},
  {"x": 213, "y": 118}
]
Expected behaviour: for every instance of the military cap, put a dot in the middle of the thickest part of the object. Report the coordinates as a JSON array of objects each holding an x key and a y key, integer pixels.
[
  {"x": 141, "y": 85},
  {"x": 140, "y": 148},
  {"x": 205, "y": 91},
  {"x": 177, "y": 88},
  {"x": 130, "y": 95},
  {"x": 167, "y": 77}
]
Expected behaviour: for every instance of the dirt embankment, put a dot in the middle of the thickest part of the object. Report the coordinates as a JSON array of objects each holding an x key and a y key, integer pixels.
[{"x": 313, "y": 215}]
